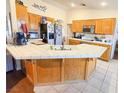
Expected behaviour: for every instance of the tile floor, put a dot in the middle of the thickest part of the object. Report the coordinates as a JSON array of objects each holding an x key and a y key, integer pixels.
[{"x": 104, "y": 80}]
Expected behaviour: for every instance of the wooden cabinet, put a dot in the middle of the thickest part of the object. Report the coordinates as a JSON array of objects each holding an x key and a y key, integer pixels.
[
  {"x": 108, "y": 26},
  {"x": 74, "y": 69},
  {"x": 77, "y": 26},
  {"x": 21, "y": 13},
  {"x": 48, "y": 70},
  {"x": 29, "y": 70},
  {"x": 73, "y": 42},
  {"x": 88, "y": 22},
  {"x": 105, "y": 26},
  {"x": 34, "y": 21},
  {"x": 106, "y": 55},
  {"x": 27, "y": 67},
  {"x": 91, "y": 65},
  {"x": 50, "y": 19},
  {"x": 102, "y": 26},
  {"x": 98, "y": 27}
]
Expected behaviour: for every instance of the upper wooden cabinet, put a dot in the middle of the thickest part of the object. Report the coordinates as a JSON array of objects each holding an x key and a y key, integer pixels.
[
  {"x": 102, "y": 26},
  {"x": 34, "y": 21},
  {"x": 21, "y": 13},
  {"x": 89, "y": 22},
  {"x": 108, "y": 26},
  {"x": 50, "y": 19},
  {"x": 98, "y": 27},
  {"x": 105, "y": 26},
  {"x": 77, "y": 26}
]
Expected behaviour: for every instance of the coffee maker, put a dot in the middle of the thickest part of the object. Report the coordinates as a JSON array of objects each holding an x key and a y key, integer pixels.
[{"x": 20, "y": 38}]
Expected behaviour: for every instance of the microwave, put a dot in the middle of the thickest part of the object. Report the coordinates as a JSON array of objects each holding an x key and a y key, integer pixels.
[
  {"x": 88, "y": 28},
  {"x": 34, "y": 35}
]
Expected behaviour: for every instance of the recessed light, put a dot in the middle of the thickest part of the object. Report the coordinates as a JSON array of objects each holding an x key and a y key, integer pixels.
[
  {"x": 103, "y": 4},
  {"x": 72, "y": 5}
]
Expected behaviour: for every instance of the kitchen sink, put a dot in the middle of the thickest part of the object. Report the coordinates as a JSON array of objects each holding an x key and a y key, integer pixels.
[{"x": 60, "y": 47}]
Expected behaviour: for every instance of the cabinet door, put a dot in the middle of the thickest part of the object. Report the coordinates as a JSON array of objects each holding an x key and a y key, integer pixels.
[
  {"x": 29, "y": 70},
  {"x": 34, "y": 21},
  {"x": 21, "y": 13},
  {"x": 105, "y": 26},
  {"x": 50, "y": 19},
  {"x": 98, "y": 27},
  {"x": 77, "y": 26},
  {"x": 108, "y": 26},
  {"x": 106, "y": 55},
  {"x": 88, "y": 22},
  {"x": 74, "y": 26},
  {"x": 73, "y": 42}
]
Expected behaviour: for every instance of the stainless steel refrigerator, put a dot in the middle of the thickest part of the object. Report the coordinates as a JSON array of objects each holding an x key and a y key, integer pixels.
[{"x": 58, "y": 34}]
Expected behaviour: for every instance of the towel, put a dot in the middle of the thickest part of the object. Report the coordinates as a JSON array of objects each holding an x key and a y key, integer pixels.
[{"x": 24, "y": 28}]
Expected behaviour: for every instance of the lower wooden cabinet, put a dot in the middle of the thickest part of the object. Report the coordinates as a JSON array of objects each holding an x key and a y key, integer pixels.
[
  {"x": 74, "y": 42},
  {"x": 48, "y": 71}
]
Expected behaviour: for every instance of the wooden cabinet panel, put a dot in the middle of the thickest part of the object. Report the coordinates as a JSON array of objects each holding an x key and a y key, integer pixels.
[
  {"x": 108, "y": 26},
  {"x": 105, "y": 26},
  {"x": 88, "y": 22},
  {"x": 34, "y": 21},
  {"x": 91, "y": 65},
  {"x": 49, "y": 70},
  {"x": 21, "y": 13},
  {"x": 73, "y": 42},
  {"x": 102, "y": 26},
  {"x": 77, "y": 26},
  {"x": 74, "y": 69},
  {"x": 50, "y": 19},
  {"x": 29, "y": 70},
  {"x": 98, "y": 27},
  {"x": 106, "y": 55}
]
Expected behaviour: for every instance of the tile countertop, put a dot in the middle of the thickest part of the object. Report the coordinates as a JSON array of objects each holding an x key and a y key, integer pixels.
[
  {"x": 31, "y": 51},
  {"x": 98, "y": 42}
]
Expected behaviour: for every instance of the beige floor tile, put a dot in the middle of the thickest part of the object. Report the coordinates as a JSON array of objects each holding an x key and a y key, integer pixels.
[
  {"x": 95, "y": 83},
  {"x": 111, "y": 82},
  {"x": 99, "y": 76},
  {"x": 52, "y": 90},
  {"x": 43, "y": 89},
  {"x": 100, "y": 70},
  {"x": 80, "y": 86},
  {"x": 61, "y": 88},
  {"x": 108, "y": 89},
  {"x": 90, "y": 89},
  {"x": 72, "y": 90}
]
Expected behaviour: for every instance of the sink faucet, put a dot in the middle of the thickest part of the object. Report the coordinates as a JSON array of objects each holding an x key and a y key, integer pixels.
[{"x": 63, "y": 40}]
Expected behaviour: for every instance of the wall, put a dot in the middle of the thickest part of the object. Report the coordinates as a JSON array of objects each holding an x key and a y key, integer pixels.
[
  {"x": 77, "y": 14},
  {"x": 52, "y": 11},
  {"x": 13, "y": 15}
]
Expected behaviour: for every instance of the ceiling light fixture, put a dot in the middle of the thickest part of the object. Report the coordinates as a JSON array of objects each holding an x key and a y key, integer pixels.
[
  {"x": 82, "y": 4},
  {"x": 103, "y": 4},
  {"x": 72, "y": 4}
]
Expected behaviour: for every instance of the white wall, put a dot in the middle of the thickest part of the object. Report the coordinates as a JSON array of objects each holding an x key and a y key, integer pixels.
[
  {"x": 52, "y": 11},
  {"x": 76, "y": 14},
  {"x": 13, "y": 15}
]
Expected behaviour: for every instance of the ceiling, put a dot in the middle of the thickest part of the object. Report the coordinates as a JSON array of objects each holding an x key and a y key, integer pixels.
[{"x": 90, "y": 4}]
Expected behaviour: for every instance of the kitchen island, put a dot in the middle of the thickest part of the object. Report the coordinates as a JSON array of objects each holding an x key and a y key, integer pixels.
[{"x": 46, "y": 64}]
